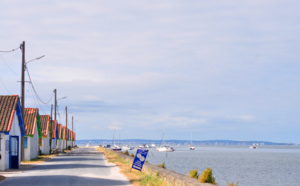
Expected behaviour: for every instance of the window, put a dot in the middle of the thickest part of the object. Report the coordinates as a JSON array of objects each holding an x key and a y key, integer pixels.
[{"x": 25, "y": 142}]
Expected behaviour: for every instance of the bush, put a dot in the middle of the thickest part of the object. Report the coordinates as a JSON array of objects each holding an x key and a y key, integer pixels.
[
  {"x": 126, "y": 153},
  {"x": 232, "y": 184},
  {"x": 207, "y": 177},
  {"x": 162, "y": 165},
  {"x": 132, "y": 155},
  {"x": 194, "y": 173}
]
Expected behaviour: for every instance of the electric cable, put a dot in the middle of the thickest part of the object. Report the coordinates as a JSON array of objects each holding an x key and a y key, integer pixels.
[
  {"x": 12, "y": 50},
  {"x": 39, "y": 98}
]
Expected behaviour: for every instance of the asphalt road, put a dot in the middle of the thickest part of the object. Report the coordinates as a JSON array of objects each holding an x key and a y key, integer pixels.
[{"x": 84, "y": 166}]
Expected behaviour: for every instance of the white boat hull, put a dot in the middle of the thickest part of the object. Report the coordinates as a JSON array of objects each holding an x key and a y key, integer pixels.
[{"x": 164, "y": 149}]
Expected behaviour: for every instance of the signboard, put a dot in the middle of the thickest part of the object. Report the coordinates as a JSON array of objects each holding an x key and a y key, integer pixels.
[{"x": 139, "y": 159}]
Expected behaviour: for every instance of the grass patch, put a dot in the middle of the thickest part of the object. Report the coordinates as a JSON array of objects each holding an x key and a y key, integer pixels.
[
  {"x": 232, "y": 184},
  {"x": 162, "y": 165},
  {"x": 40, "y": 159},
  {"x": 136, "y": 177},
  {"x": 207, "y": 177},
  {"x": 194, "y": 173}
]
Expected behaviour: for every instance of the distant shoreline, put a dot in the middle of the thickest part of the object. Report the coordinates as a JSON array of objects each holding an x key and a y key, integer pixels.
[{"x": 177, "y": 142}]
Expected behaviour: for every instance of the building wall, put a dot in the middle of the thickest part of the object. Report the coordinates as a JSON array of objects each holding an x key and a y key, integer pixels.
[
  {"x": 32, "y": 150},
  {"x": 4, "y": 146},
  {"x": 53, "y": 144},
  {"x": 46, "y": 146},
  {"x": 35, "y": 145},
  {"x": 4, "y": 162}
]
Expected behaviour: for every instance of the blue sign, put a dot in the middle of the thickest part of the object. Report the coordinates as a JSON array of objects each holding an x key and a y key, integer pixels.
[{"x": 139, "y": 159}]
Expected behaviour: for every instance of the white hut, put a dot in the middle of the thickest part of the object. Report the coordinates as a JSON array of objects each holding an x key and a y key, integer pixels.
[{"x": 11, "y": 130}]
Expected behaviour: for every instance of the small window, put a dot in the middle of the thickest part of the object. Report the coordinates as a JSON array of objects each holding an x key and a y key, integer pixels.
[{"x": 25, "y": 142}]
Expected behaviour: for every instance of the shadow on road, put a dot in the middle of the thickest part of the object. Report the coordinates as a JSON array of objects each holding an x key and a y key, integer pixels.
[
  {"x": 61, "y": 180},
  {"x": 69, "y": 166}
]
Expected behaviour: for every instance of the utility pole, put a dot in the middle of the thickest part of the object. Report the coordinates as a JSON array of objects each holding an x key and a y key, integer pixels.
[
  {"x": 22, "y": 46},
  {"x": 66, "y": 133},
  {"x": 50, "y": 133},
  {"x": 72, "y": 131},
  {"x": 55, "y": 104}
]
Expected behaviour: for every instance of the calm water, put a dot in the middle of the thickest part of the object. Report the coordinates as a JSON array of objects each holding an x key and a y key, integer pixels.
[{"x": 265, "y": 166}]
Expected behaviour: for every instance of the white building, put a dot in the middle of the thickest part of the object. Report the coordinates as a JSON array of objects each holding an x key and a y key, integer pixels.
[
  {"x": 33, "y": 133},
  {"x": 44, "y": 141},
  {"x": 11, "y": 130}
]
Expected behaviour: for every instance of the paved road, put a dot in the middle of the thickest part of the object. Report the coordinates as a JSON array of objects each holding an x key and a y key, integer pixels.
[{"x": 84, "y": 166}]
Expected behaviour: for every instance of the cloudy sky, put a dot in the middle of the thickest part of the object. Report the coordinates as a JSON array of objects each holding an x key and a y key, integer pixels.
[{"x": 216, "y": 69}]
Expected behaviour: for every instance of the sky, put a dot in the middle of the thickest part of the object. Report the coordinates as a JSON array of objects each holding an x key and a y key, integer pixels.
[{"x": 208, "y": 69}]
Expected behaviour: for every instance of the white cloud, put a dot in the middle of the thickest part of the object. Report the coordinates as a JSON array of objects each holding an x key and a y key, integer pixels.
[{"x": 173, "y": 64}]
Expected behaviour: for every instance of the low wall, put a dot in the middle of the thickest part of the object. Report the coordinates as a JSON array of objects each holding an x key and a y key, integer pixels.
[{"x": 169, "y": 177}]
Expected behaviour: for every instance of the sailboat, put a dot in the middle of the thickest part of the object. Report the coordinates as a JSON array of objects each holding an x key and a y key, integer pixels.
[
  {"x": 164, "y": 148},
  {"x": 253, "y": 146},
  {"x": 115, "y": 147},
  {"x": 192, "y": 147}
]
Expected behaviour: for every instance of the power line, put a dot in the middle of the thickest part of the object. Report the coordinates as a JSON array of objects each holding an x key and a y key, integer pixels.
[
  {"x": 4, "y": 86},
  {"x": 39, "y": 98},
  {"x": 12, "y": 50},
  {"x": 8, "y": 65}
]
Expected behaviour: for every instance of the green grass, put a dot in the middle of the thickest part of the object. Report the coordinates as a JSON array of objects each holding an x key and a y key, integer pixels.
[
  {"x": 150, "y": 180},
  {"x": 194, "y": 173},
  {"x": 207, "y": 177},
  {"x": 162, "y": 165},
  {"x": 232, "y": 184}
]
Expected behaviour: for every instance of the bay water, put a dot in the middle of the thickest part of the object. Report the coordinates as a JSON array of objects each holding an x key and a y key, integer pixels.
[{"x": 265, "y": 166}]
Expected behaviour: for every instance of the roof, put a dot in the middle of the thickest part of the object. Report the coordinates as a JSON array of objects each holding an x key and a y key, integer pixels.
[
  {"x": 31, "y": 121},
  {"x": 45, "y": 119},
  {"x": 9, "y": 105}
]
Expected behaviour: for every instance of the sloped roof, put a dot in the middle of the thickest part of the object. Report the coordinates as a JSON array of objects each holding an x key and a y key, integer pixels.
[
  {"x": 31, "y": 120},
  {"x": 53, "y": 127},
  {"x": 8, "y": 105},
  {"x": 45, "y": 120}
]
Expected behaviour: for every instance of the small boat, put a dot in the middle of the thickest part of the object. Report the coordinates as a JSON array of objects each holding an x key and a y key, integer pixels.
[
  {"x": 127, "y": 147},
  {"x": 192, "y": 147},
  {"x": 144, "y": 146},
  {"x": 165, "y": 148},
  {"x": 152, "y": 145},
  {"x": 253, "y": 146},
  {"x": 116, "y": 148}
]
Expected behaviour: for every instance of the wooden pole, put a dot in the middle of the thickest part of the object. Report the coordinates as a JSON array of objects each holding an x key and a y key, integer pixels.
[
  {"x": 23, "y": 97},
  {"x": 66, "y": 133},
  {"x": 50, "y": 131}
]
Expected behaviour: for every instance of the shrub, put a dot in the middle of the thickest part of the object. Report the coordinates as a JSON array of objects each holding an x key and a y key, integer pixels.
[
  {"x": 232, "y": 184},
  {"x": 132, "y": 155},
  {"x": 207, "y": 177},
  {"x": 126, "y": 153},
  {"x": 194, "y": 173},
  {"x": 162, "y": 165}
]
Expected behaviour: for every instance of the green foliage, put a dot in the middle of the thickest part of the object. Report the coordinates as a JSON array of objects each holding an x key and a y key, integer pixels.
[
  {"x": 150, "y": 180},
  {"x": 194, "y": 173},
  {"x": 132, "y": 155},
  {"x": 162, "y": 165},
  {"x": 232, "y": 184},
  {"x": 207, "y": 177},
  {"x": 126, "y": 153}
]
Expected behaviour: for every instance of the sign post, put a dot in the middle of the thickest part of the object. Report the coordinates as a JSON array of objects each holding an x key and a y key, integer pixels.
[{"x": 139, "y": 159}]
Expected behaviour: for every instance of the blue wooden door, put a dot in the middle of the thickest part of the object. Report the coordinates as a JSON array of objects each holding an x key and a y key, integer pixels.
[{"x": 14, "y": 152}]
